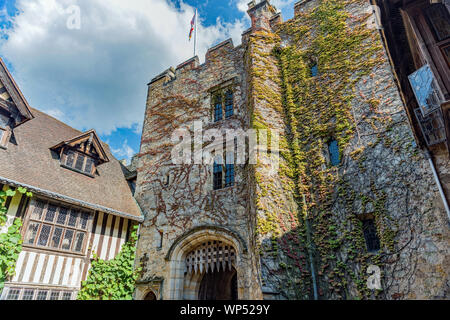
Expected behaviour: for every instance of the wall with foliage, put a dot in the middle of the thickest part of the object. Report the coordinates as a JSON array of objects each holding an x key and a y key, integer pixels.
[
  {"x": 11, "y": 240},
  {"x": 354, "y": 100},
  {"x": 112, "y": 279}
]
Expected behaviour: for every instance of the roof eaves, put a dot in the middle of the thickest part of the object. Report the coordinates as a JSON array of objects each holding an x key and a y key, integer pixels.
[{"x": 57, "y": 196}]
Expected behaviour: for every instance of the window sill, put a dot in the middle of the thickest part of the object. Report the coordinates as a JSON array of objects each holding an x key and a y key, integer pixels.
[
  {"x": 38, "y": 248},
  {"x": 224, "y": 188},
  {"x": 78, "y": 171}
]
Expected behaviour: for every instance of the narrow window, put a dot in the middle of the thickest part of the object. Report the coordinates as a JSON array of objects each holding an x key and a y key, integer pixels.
[
  {"x": 70, "y": 158},
  {"x": 161, "y": 236},
  {"x": 228, "y": 104},
  {"x": 80, "y": 162},
  {"x": 217, "y": 176},
  {"x": 89, "y": 165},
  {"x": 218, "y": 108},
  {"x": 229, "y": 175},
  {"x": 333, "y": 149},
  {"x": 314, "y": 70},
  {"x": 370, "y": 234}
]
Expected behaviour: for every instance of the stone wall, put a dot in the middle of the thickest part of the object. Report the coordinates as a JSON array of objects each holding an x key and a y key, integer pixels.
[{"x": 298, "y": 232}]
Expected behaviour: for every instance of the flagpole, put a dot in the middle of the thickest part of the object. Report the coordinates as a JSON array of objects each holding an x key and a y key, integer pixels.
[{"x": 195, "y": 35}]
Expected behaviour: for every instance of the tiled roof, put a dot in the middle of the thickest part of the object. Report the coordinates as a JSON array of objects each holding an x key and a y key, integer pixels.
[{"x": 29, "y": 161}]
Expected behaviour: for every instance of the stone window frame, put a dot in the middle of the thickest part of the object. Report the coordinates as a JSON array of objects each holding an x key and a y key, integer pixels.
[
  {"x": 370, "y": 217},
  {"x": 224, "y": 172},
  {"x": 221, "y": 91}
]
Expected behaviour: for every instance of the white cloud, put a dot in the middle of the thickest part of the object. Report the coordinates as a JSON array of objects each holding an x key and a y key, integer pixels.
[
  {"x": 242, "y": 5},
  {"x": 96, "y": 77},
  {"x": 124, "y": 152}
]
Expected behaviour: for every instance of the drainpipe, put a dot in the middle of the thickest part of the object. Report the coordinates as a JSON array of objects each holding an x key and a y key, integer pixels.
[
  {"x": 438, "y": 182},
  {"x": 310, "y": 252}
]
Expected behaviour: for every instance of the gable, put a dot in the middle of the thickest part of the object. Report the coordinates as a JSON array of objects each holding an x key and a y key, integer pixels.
[
  {"x": 12, "y": 102},
  {"x": 88, "y": 143}
]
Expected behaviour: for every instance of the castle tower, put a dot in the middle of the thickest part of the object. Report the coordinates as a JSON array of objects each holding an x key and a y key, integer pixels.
[{"x": 351, "y": 194}]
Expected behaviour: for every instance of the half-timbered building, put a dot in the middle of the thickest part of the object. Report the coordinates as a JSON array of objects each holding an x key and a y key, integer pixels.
[{"x": 82, "y": 202}]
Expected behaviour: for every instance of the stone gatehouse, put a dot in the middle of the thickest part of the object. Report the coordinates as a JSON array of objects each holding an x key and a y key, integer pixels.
[{"x": 363, "y": 165}]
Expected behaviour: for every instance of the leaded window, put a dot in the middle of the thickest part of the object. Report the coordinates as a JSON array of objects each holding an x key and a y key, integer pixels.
[
  {"x": 370, "y": 235},
  {"x": 314, "y": 70},
  {"x": 228, "y": 104},
  {"x": 333, "y": 149},
  {"x": 229, "y": 175},
  {"x": 57, "y": 227},
  {"x": 37, "y": 294},
  {"x": 439, "y": 18},
  {"x": 79, "y": 161},
  {"x": 218, "y": 108},
  {"x": 217, "y": 176}
]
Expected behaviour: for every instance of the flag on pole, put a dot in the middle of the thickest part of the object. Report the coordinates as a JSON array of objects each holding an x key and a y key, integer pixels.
[{"x": 192, "y": 25}]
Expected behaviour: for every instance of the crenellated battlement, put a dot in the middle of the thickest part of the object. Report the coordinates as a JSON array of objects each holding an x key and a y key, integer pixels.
[{"x": 263, "y": 15}]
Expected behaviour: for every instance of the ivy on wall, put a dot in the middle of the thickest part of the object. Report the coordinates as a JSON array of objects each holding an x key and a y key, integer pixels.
[
  {"x": 323, "y": 55},
  {"x": 112, "y": 279},
  {"x": 10, "y": 241}
]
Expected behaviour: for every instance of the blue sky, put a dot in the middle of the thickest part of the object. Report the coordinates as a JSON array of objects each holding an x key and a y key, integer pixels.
[{"x": 95, "y": 76}]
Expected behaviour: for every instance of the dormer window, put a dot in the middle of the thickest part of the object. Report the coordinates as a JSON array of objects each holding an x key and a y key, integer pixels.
[
  {"x": 78, "y": 161},
  {"x": 82, "y": 154}
]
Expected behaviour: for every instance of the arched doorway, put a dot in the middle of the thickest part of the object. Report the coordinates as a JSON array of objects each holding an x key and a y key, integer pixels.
[
  {"x": 210, "y": 272},
  {"x": 218, "y": 285},
  {"x": 150, "y": 296}
]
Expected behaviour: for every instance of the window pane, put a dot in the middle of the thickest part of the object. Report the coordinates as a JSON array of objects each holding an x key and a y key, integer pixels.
[
  {"x": 80, "y": 161},
  {"x": 84, "y": 218},
  {"x": 89, "y": 165},
  {"x": 333, "y": 148},
  {"x": 370, "y": 234},
  {"x": 66, "y": 295},
  {"x": 62, "y": 216},
  {"x": 51, "y": 212},
  {"x": 37, "y": 211},
  {"x": 314, "y": 70},
  {"x": 13, "y": 294},
  {"x": 69, "y": 158},
  {"x": 54, "y": 295},
  {"x": 42, "y": 295},
  {"x": 229, "y": 175},
  {"x": 28, "y": 294},
  {"x": 73, "y": 218},
  {"x": 56, "y": 238},
  {"x": 67, "y": 239},
  {"x": 30, "y": 236},
  {"x": 79, "y": 239},
  {"x": 229, "y": 104},
  {"x": 44, "y": 235},
  {"x": 439, "y": 19}
]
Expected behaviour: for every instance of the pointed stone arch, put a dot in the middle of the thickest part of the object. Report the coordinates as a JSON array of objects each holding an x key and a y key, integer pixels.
[{"x": 184, "y": 285}]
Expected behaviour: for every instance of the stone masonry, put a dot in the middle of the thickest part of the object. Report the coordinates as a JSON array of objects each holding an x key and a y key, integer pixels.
[{"x": 298, "y": 234}]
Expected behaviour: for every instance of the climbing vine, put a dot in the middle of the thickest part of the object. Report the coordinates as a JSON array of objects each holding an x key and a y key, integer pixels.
[
  {"x": 112, "y": 279},
  {"x": 317, "y": 108},
  {"x": 11, "y": 240}
]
